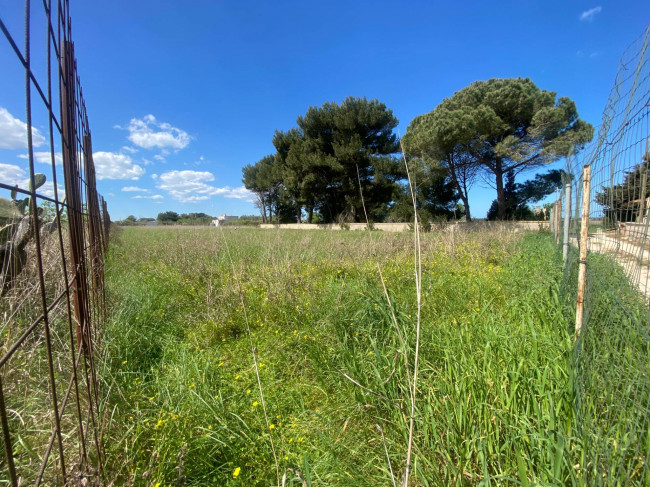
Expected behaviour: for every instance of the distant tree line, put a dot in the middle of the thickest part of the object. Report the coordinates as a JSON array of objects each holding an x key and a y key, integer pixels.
[
  {"x": 173, "y": 218},
  {"x": 170, "y": 218},
  {"x": 342, "y": 158}
]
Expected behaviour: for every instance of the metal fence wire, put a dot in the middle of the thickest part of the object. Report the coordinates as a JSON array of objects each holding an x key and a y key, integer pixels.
[
  {"x": 607, "y": 273},
  {"x": 53, "y": 234}
]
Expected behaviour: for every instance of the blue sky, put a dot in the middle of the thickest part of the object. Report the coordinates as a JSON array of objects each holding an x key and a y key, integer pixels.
[{"x": 181, "y": 95}]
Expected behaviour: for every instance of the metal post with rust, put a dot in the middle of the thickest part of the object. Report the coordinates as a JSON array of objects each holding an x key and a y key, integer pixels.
[
  {"x": 106, "y": 222},
  {"x": 73, "y": 194},
  {"x": 584, "y": 234},
  {"x": 9, "y": 454},
  {"x": 94, "y": 224}
]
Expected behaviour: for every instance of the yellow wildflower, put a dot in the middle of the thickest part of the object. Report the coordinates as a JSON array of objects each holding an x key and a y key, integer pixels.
[{"x": 235, "y": 474}]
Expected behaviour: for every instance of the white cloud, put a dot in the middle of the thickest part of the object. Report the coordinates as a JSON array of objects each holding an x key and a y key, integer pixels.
[
  {"x": 45, "y": 157},
  {"x": 110, "y": 165},
  {"x": 588, "y": 15},
  {"x": 135, "y": 189},
  {"x": 13, "y": 132},
  {"x": 148, "y": 133},
  {"x": 17, "y": 176},
  {"x": 147, "y": 197},
  {"x": 48, "y": 190},
  {"x": 130, "y": 150},
  {"x": 192, "y": 186},
  {"x": 13, "y": 175}
]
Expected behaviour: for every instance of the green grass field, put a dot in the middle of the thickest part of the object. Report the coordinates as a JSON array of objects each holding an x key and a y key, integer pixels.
[{"x": 183, "y": 406}]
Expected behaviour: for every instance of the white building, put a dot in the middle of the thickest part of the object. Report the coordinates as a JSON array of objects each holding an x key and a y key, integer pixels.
[{"x": 223, "y": 219}]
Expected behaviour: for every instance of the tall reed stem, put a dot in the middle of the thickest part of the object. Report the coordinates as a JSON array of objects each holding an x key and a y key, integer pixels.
[{"x": 418, "y": 289}]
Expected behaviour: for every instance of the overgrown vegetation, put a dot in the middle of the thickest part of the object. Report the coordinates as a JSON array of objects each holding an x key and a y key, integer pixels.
[{"x": 495, "y": 401}]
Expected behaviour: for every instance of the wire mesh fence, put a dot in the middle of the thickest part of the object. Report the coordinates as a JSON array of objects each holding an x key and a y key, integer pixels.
[
  {"x": 601, "y": 221},
  {"x": 53, "y": 233}
]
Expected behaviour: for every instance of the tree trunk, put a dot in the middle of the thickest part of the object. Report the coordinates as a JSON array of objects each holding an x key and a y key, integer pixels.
[
  {"x": 462, "y": 190},
  {"x": 501, "y": 194},
  {"x": 463, "y": 196},
  {"x": 299, "y": 219},
  {"x": 263, "y": 205},
  {"x": 310, "y": 213}
]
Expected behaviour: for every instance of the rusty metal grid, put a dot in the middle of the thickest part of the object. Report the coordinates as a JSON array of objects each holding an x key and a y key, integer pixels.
[{"x": 52, "y": 280}]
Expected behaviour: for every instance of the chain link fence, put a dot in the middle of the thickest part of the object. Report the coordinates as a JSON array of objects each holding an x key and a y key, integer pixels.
[
  {"x": 600, "y": 222},
  {"x": 54, "y": 232}
]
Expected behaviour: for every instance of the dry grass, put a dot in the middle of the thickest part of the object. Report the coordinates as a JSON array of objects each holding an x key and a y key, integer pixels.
[{"x": 26, "y": 374}]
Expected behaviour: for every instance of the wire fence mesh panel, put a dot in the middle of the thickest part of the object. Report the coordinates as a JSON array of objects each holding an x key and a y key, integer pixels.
[
  {"x": 612, "y": 351},
  {"x": 53, "y": 233}
]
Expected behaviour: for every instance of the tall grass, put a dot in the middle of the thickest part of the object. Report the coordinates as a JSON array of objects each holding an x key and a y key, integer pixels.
[{"x": 495, "y": 391}]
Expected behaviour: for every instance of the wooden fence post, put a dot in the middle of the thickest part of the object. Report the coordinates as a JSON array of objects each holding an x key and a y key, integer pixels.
[
  {"x": 558, "y": 219},
  {"x": 584, "y": 233},
  {"x": 567, "y": 222}
]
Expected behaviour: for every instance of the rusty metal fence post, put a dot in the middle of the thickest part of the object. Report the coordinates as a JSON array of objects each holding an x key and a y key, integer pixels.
[
  {"x": 73, "y": 193},
  {"x": 52, "y": 281}
]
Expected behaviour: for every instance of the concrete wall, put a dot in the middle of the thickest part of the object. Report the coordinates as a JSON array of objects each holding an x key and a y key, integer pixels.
[{"x": 401, "y": 227}]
